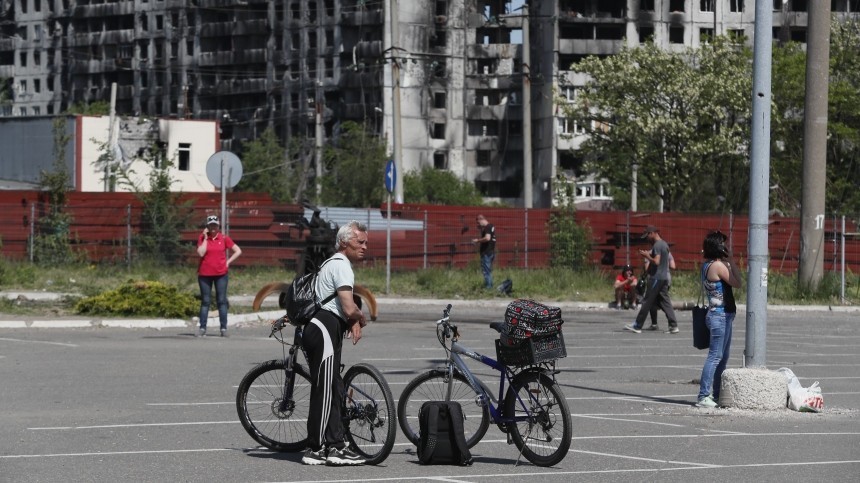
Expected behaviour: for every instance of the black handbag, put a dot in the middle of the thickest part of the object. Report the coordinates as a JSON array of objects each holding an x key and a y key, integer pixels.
[{"x": 701, "y": 333}]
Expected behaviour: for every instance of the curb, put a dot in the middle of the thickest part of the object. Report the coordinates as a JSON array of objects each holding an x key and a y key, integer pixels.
[{"x": 239, "y": 320}]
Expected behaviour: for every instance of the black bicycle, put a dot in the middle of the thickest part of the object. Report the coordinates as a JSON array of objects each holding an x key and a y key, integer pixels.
[{"x": 273, "y": 403}]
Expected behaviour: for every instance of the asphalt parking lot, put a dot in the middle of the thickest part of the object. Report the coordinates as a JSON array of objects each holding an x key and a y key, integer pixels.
[{"x": 145, "y": 404}]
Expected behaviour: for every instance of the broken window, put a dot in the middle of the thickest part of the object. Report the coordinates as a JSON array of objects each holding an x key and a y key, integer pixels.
[
  {"x": 440, "y": 100},
  {"x": 736, "y": 6},
  {"x": 37, "y": 85},
  {"x": 440, "y": 160},
  {"x": 647, "y": 5},
  {"x": 706, "y": 35},
  {"x": 184, "y": 154},
  {"x": 706, "y": 5},
  {"x": 439, "y": 38},
  {"x": 437, "y": 130},
  {"x": 22, "y": 57},
  {"x": 676, "y": 35}
]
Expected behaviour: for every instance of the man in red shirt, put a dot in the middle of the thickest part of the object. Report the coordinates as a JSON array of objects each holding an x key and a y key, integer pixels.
[
  {"x": 625, "y": 288},
  {"x": 212, "y": 246}
]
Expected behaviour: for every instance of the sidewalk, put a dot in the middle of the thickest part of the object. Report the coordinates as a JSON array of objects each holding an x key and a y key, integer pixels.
[{"x": 271, "y": 311}]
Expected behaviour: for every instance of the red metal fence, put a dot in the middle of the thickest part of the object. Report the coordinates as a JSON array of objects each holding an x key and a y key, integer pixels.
[{"x": 104, "y": 226}]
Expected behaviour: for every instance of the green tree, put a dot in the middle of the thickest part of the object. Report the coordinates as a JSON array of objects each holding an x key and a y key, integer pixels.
[
  {"x": 354, "y": 167},
  {"x": 163, "y": 217},
  {"x": 672, "y": 115},
  {"x": 98, "y": 108},
  {"x": 52, "y": 244},
  {"x": 843, "y": 126},
  {"x": 267, "y": 168},
  {"x": 570, "y": 242},
  {"x": 439, "y": 187}
]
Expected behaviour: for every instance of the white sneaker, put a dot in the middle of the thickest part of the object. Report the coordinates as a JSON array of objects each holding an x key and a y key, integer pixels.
[
  {"x": 344, "y": 457},
  {"x": 313, "y": 458},
  {"x": 706, "y": 402}
]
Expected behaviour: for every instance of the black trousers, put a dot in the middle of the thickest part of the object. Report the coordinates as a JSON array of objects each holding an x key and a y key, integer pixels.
[
  {"x": 322, "y": 339},
  {"x": 657, "y": 295}
]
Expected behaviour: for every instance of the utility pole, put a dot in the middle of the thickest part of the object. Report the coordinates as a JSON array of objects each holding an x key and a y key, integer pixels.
[
  {"x": 110, "y": 166},
  {"x": 814, "y": 148},
  {"x": 755, "y": 349},
  {"x": 319, "y": 141},
  {"x": 527, "y": 113},
  {"x": 395, "y": 86}
]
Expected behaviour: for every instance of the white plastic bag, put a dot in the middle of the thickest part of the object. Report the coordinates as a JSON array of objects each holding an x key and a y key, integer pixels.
[
  {"x": 813, "y": 401},
  {"x": 801, "y": 398}
]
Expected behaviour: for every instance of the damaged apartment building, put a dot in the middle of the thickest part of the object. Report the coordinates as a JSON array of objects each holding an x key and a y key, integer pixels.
[{"x": 291, "y": 64}]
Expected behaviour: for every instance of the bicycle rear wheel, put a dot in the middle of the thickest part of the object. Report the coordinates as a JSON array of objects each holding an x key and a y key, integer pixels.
[
  {"x": 258, "y": 402},
  {"x": 368, "y": 417},
  {"x": 543, "y": 435},
  {"x": 433, "y": 386}
]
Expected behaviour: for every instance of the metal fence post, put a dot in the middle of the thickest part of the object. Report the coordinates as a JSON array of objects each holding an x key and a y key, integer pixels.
[
  {"x": 128, "y": 236},
  {"x": 425, "y": 239},
  {"x": 842, "y": 264},
  {"x": 526, "y": 257},
  {"x": 32, "y": 229}
]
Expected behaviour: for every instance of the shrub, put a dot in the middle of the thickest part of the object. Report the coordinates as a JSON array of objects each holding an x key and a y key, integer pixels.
[{"x": 141, "y": 298}]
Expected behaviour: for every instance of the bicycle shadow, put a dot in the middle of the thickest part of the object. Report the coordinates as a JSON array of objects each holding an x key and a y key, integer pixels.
[
  {"x": 265, "y": 453},
  {"x": 639, "y": 396}
]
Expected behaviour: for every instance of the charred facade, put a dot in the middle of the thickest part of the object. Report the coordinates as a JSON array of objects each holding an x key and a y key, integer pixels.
[{"x": 257, "y": 64}]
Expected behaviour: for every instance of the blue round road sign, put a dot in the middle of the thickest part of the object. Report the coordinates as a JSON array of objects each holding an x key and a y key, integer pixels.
[{"x": 390, "y": 176}]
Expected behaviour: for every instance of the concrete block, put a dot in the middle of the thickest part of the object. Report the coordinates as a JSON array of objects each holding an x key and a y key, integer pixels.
[{"x": 753, "y": 389}]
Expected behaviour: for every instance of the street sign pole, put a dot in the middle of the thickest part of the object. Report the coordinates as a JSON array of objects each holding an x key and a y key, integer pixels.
[
  {"x": 224, "y": 227},
  {"x": 390, "y": 184},
  {"x": 388, "y": 249},
  {"x": 390, "y": 180}
]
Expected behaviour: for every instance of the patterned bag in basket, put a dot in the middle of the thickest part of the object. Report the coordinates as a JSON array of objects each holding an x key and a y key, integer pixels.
[{"x": 527, "y": 318}]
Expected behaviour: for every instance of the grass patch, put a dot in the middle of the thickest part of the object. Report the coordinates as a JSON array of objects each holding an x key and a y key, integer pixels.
[{"x": 546, "y": 284}]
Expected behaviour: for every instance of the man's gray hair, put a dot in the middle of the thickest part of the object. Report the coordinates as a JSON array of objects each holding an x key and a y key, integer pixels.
[{"x": 347, "y": 232}]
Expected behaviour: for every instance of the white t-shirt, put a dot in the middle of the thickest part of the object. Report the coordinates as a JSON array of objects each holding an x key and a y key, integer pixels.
[{"x": 336, "y": 273}]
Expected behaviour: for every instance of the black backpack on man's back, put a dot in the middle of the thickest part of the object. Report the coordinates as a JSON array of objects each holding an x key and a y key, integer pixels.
[
  {"x": 442, "y": 440},
  {"x": 300, "y": 299}
]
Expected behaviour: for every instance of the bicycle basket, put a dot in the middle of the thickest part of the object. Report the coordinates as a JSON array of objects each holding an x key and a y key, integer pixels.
[{"x": 532, "y": 350}]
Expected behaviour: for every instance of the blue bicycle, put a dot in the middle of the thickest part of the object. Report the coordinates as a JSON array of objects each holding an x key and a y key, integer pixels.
[{"x": 532, "y": 411}]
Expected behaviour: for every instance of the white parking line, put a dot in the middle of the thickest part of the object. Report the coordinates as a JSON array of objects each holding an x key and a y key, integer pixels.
[{"x": 38, "y": 342}]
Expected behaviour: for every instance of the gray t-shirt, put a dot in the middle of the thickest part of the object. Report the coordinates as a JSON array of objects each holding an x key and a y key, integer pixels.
[
  {"x": 337, "y": 272},
  {"x": 661, "y": 248}
]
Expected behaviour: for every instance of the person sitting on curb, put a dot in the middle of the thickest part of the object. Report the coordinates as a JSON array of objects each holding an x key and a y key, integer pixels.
[{"x": 625, "y": 289}]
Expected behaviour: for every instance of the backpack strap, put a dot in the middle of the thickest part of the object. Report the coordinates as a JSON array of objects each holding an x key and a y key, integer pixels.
[
  {"x": 332, "y": 296},
  {"x": 432, "y": 433},
  {"x": 456, "y": 417}
]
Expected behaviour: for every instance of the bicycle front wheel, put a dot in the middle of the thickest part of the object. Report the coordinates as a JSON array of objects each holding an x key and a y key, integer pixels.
[
  {"x": 368, "y": 417},
  {"x": 542, "y": 430},
  {"x": 277, "y": 426},
  {"x": 433, "y": 386}
]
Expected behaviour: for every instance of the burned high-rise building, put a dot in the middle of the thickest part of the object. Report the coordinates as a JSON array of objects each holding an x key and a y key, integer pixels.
[{"x": 287, "y": 64}]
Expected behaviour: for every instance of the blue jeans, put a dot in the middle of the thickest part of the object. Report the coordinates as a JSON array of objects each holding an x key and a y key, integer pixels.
[
  {"x": 487, "y": 268},
  {"x": 720, "y": 325},
  {"x": 205, "y": 283}
]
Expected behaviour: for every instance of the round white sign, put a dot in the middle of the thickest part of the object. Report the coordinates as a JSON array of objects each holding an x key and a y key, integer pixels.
[{"x": 224, "y": 165}]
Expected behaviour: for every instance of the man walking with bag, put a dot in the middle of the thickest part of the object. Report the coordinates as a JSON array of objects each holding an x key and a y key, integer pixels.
[{"x": 658, "y": 285}]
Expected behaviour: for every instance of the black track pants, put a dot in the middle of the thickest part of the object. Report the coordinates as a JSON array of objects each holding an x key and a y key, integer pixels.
[{"x": 323, "y": 340}]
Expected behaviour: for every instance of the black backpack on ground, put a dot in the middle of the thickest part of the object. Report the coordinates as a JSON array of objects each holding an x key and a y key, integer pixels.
[
  {"x": 442, "y": 440},
  {"x": 300, "y": 299}
]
